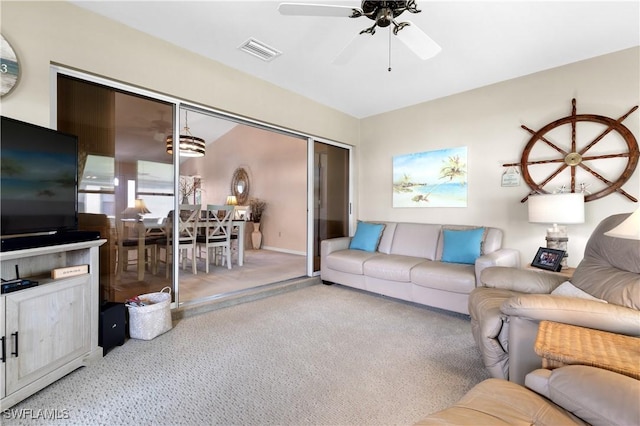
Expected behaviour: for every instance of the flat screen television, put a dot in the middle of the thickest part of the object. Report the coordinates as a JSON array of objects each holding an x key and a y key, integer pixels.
[{"x": 38, "y": 180}]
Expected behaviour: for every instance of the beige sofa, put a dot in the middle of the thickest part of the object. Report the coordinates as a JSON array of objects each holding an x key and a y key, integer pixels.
[
  {"x": 506, "y": 310},
  {"x": 407, "y": 264}
]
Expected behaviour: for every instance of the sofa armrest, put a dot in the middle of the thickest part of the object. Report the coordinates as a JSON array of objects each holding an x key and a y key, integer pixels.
[
  {"x": 574, "y": 311},
  {"x": 334, "y": 244},
  {"x": 502, "y": 257},
  {"x": 522, "y": 280}
]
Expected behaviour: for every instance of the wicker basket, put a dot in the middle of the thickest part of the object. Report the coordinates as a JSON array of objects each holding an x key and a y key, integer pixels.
[
  {"x": 153, "y": 319},
  {"x": 564, "y": 344}
]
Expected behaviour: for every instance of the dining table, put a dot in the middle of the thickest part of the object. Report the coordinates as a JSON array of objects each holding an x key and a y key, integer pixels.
[{"x": 152, "y": 227}]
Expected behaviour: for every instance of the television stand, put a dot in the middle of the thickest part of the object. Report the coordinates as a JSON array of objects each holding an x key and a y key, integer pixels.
[
  {"x": 58, "y": 313},
  {"x": 34, "y": 241}
]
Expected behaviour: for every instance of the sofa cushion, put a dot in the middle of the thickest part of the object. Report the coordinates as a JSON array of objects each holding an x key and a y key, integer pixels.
[
  {"x": 349, "y": 261},
  {"x": 566, "y": 289},
  {"x": 416, "y": 239},
  {"x": 387, "y": 237},
  {"x": 391, "y": 267},
  {"x": 455, "y": 277},
  {"x": 462, "y": 246},
  {"x": 367, "y": 236},
  {"x": 597, "y": 396}
]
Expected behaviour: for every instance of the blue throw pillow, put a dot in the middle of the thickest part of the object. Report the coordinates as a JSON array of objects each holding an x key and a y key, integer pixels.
[
  {"x": 462, "y": 246},
  {"x": 367, "y": 236}
]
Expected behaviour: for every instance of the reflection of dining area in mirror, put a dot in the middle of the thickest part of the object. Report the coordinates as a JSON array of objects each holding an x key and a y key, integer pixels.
[
  {"x": 214, "y": 254},
  {"x": 127, "y": 152},
  {"x": 204, "y": 235},
  {"x": 215, "y": 243}
]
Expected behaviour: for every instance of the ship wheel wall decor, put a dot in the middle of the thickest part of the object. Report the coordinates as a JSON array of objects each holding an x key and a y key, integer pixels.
[{"x": 545, "y": 162}]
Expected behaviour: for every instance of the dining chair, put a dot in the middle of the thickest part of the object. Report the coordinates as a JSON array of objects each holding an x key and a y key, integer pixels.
[
  {"x": 217, "y": 225},
  {"x": 186, "y": 236},
  {"x": 131, "y": 236}
]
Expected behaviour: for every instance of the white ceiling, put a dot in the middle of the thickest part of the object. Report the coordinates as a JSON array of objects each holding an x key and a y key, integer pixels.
[{"x": 482, "y": 43}]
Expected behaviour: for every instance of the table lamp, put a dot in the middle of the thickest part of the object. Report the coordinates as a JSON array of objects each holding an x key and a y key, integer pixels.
[
  {"x": 564, "y": 209},
  {"x": 629, "y": 228},
  {"x": 232, "y": 200},
  {"x": 139, "y": 209}
]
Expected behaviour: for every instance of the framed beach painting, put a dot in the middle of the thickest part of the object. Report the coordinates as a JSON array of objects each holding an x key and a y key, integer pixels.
[{"x": 431, "y": 179}]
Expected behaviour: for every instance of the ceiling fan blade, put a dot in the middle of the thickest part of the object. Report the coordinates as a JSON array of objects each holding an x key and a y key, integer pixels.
[
  {"x": 418, "y": 42},
  {"x": 306, "y": 9},
  {"x": 352, "y": 49}
]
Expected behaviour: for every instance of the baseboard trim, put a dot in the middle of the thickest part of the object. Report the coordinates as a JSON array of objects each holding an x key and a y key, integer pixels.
[
  {"x": 281, "y": 250},
  {"x": 189, "y": 309}
]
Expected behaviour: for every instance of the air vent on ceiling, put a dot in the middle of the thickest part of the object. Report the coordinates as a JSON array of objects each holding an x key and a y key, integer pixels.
[{"x": 259, "y": 49}]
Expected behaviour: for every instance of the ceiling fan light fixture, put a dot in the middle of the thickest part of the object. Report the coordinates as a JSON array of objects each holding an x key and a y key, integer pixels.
[
  {"x": 189, "y": 145},
  {"x": 385, "y": 17}
]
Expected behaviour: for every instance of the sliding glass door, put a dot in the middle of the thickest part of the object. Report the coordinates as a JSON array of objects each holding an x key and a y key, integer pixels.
[
  {"x": 330, "y": 195},
  {"x": 131, "y": 182},
  {"x": 125, "y": 180}
]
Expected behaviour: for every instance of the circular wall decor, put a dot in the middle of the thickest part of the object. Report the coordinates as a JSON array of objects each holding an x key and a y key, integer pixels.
[
  {"x": 240, "y": 185},
  {"x": 9, "y": 67},
  {"x": 558, "y": 159}
]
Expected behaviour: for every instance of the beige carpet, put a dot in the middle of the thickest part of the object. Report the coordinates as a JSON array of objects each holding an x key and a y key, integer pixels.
[
  {"x": 320, "y": 355},
  {"x": 260, "y": 267}
]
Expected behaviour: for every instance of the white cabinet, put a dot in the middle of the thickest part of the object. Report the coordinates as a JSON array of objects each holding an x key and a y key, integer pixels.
[
  {"x": 51, "y": 329},
  {"x": 3, "y": 348}
]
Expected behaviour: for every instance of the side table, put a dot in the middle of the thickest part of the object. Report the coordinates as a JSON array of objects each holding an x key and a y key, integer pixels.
[
  {"x": 563, "y": 344},
  {"x": 566, "y": 272}
]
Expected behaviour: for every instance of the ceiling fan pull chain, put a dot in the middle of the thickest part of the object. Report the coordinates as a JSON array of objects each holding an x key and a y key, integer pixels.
[{"x": 389, "y": 50}]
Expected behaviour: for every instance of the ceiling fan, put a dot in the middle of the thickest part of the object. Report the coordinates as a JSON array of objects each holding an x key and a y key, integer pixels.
[
  {"x": 383, "y": 13},
  {"x": 159, "y": 129}
]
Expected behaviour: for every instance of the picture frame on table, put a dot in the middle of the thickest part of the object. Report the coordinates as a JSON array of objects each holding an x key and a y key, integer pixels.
[{"x": 549, "y": 259}]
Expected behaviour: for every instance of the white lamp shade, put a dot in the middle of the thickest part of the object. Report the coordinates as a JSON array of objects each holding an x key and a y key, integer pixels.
[
  {"x": 138, "y": 209},
  {"x": 141, "y": 207},
  {"x": 563, "y": 208},
  {"x": 629, "y": 228}
]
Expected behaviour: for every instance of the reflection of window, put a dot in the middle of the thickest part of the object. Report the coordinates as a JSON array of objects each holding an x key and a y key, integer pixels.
[
  {"x": 155, "y": 186},
  {"x": 98, "y": 174},
  {"x": 96, "y": 203},
  {"x": 155, "y": 178},
  {"x": 96, "y": 186}
]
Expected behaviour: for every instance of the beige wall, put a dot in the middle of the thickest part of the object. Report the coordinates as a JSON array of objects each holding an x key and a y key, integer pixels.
[
  {"x": 487, "y": 121},
  {"x": 277, "y": 168},
  {"x": 48, "y": 32}
]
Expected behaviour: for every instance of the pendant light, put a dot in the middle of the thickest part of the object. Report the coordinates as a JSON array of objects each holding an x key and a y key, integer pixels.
[{"x": 190, "y": 146}]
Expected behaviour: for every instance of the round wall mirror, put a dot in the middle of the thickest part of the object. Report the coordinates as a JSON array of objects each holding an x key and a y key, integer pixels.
[{"x": 240, "y": 185}]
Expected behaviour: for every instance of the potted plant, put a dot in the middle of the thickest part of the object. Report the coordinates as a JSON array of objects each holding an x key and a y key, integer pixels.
[
  {"x": 188, "y": 187},
  {"x": 257, "y": 209}
]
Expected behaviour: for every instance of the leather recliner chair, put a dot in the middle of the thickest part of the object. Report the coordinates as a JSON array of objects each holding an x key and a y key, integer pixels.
[
  {"x": 571, "y": 395},
  {"x": 506, "y": 310}
]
